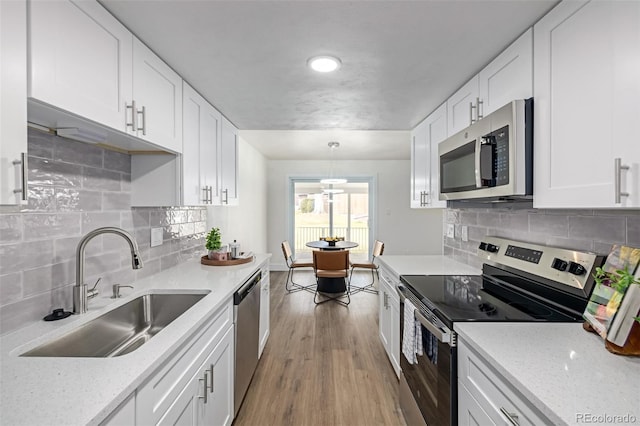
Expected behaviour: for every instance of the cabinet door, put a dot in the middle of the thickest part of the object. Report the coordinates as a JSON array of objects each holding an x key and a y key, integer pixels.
[
  {"x": 394, "y": 343},
  {"x": 188, "y": 407},
  {"x": 81, "y": 60},
  {"x": 229, "y": 164},
  {"x": 469, "y": 411},
  {"x": 218, "y": 409},
  {"x": 509, "y": 76},
  {"x": 264, "y": 310},
  {"x": 201, "y": 129},
  {"x": 419, "y": 166},
  {"x": 384, "y": 319},
  {"x": 459, "y": 111},
  {"x": 436, "y": 133},
  {"x": 157, "y": 91},
  {"x": 586, "y": 87},
  {"x": 13, "y": 102}
]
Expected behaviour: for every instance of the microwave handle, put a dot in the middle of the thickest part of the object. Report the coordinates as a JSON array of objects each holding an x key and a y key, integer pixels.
[{"x": 478, "y": 162}]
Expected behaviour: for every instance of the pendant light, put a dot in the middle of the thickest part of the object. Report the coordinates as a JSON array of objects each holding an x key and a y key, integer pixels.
[{"x": 331, "y": 180}]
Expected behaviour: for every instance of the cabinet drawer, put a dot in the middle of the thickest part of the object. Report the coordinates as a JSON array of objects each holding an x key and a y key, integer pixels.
[
  {"x": 159, "y": 392},
  {"x": 492, "y": 392}
]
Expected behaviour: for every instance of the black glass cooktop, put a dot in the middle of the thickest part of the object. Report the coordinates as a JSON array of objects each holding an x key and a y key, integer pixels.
[{"x": 455, "y": 298}]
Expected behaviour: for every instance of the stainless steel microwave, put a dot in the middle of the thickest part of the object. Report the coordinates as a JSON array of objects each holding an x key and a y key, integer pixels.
[{"x": 492, "y": 159}]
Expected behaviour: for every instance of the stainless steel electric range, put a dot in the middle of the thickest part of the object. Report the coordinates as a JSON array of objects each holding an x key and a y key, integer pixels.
[{"x": 519, "y": 282}]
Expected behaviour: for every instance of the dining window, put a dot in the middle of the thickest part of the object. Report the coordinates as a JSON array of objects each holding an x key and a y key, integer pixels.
[{"x": 320, "y": 210}]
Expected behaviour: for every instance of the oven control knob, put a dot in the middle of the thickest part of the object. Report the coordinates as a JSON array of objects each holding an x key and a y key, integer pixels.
[
  {"x": 559, "y": 264},
  {"x": 576, "y": 268},
  {"x": 492, "y": 249}
]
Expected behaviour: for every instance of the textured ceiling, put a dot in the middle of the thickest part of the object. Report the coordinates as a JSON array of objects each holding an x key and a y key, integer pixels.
[{"x": 400, "y": 59}]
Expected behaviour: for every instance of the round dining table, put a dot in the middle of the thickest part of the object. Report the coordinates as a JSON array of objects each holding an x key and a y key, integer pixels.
[{"x": 340, "y": 245}]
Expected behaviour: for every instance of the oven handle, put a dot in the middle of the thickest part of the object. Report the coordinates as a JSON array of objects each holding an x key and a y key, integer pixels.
[{"x": 442, "y": 336}]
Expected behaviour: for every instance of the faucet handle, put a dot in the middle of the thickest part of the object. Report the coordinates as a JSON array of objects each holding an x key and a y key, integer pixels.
[
  {"x": 116, "y": 290},
  {"x": 92, "y": 292}
]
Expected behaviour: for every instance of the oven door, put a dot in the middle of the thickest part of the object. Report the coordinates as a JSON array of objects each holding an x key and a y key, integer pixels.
[{"x": 431, "y": 384}]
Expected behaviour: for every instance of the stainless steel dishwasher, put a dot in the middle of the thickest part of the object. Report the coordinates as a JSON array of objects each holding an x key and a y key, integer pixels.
[{"x": 246, "y": 315}]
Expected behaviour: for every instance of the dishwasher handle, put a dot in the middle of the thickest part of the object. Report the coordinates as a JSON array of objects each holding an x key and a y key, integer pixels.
[{"x": 247, "y": 288}]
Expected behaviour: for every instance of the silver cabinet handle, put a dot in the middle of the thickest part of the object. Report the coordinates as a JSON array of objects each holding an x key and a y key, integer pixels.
[
  {"x": 225, "y": 200},
  {"x": 512, "y": 417},
  {"x": 206, "y": 387},
  {"x": 471, "y": 108},
  {"x": 479, "y": 115},
  {"x": 134, "y": 116},
  {"x": 210, "y": 194},
  {"x": 211, "y": 372},
  {"x": 384, "y": 303},
  {"x": 205, "y": 199},
  {"x": 143, "y": 111},
  {"x": 617, "y": 163},
  {"x": 24, "y": 175},
  {"x": 426, "y": 198}
]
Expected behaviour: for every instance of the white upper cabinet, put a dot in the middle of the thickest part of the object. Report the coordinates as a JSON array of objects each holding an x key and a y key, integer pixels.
[
  {"x": 86, "y": 63},
  {"x": 229, "y": 164},
  {"x": 506, "y": 78},
  {"x": 425, "y": 182},
  {"x": 13, "y": 102},
  {"x": 81, "y": 60},
  {"x": 461, "y": 107},
  {"x": 201, "y": 137},
  {"x": 586, "y": 109},
  {"x": 157, "y": 91}
]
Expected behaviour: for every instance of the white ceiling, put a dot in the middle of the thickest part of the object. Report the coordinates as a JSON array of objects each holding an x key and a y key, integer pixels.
[{"x": 400, "y": 59}]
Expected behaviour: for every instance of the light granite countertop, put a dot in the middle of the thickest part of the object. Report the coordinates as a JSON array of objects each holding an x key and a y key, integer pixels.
[
  {"x": 560, "y": 369},
  {"x": 426, "y": 265},
  {"x": 69, "y": 391}
]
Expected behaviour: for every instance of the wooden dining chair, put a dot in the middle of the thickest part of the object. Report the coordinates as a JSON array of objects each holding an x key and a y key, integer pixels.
[
  {"x": 332, "y": 269},
  {"x": 378, "y": 249},
  {"x": 293, "y": 264}
]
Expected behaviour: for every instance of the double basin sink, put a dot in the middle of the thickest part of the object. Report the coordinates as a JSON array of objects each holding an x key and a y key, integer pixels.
[{"x": 121, "y": 330}]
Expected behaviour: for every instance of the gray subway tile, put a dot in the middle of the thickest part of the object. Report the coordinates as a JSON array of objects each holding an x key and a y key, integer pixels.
[
  {"x": 101, "y": 264},
  {"x": 40, "y": 226},
  {"x": 91, "y": 221},
  {"x": 143, "y": 237},
  {"x": 69, "y": 151},
  {"x": 72, "y": 199},
  {"x": 23, "y": 312},
  {"x": 169, "y": 261},
  {"x": 159, "y": 217},
  {"x": 598, "y": 228},
  {"x": 549, "y": 224},
  {"x": 65, "y": 248},
  {"x": 40, "y": 144},
  {"x": 140, "y": 218},
  {"x": 633, "y": 230},
  {"x": 48, "y": 172},
  {"x": 11, "y": 228},
  {"x": 101, "y": 179},
  {"x": 468, "y": 218},
  {"x": 602, "y": 248},
  {"x": 569, "y": 243},
  {"x": 477, "y": 233},
  {"x": 178, "y": 216},
  {"x": 490, "y": 220},
  {"x": 41, "y": 199},
  {"x": 116, "y": 200},
  {"x": 117, "y": 161},
  {"x": 26, "y": 255},
  {"x": 46, "y": 278},
  {"x": 125, "y": 182},
  {"x": 516, "y": 221},
  {"x": 10, "y": 288},
  {"x": 150, "y": 267}
]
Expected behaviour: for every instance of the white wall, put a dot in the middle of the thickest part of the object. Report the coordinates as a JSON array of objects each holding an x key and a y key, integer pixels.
[
  {"x": 246, "y": 222},
  {"x": 403, "y": 230}
]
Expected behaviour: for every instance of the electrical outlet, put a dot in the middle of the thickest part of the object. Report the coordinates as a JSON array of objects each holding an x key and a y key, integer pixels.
[
  {"x": 156, "y": 237},
  {"x": 465, "y": 233},
  {"x": 451, "y": 230}
]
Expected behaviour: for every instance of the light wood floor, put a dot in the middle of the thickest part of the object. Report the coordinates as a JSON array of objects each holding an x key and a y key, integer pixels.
[{"x": 322, "y": 365}]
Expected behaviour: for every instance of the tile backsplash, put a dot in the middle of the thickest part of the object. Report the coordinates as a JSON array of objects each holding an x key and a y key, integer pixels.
[
  {"x": 585, "y": 230},
  {"x": 73, "y": 189}
]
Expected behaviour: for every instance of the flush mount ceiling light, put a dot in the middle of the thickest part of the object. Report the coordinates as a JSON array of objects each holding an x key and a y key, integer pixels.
[
  {"x": 332, "y": 180},
  {"x": 324, "y": 63}
]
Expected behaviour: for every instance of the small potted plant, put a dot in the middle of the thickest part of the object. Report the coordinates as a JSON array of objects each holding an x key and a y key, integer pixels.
[{"x": 214, "y": 245}]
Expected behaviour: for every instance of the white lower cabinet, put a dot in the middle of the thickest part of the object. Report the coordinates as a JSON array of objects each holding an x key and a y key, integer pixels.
[
  {"x": 124, "y": 415},
  {"x": 174, "y": 393},
  {"x": 208, "y": 397},
  {"x": 389, "y": 317},
  {"x": 265, "y": 291},
  {"x": 485, "y": 397}
]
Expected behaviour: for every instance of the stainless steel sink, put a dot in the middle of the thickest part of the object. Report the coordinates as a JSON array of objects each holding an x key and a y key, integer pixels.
[{"x": 121, "y": 330}]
